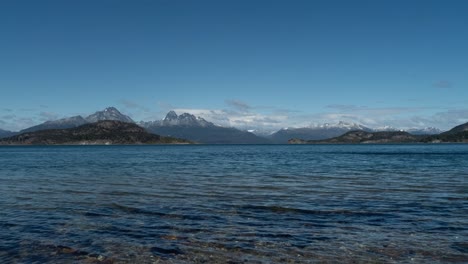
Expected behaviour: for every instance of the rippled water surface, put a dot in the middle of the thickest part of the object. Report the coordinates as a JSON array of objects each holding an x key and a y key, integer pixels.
[{"x": 234, "y": 204}]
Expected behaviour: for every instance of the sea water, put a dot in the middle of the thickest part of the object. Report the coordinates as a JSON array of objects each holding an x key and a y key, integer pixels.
[{"x": 234, "y": 204}]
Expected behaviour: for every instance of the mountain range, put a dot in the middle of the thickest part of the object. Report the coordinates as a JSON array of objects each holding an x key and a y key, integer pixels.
[
  {"x": 458, "y": 134},
  {"x": 110, "y": 113},
  {"x": 199, "y": 130},
  {"x": 327, "y": 130},
  {"x": 315, "y": 132},
  {"x": 185, "y": 126}
]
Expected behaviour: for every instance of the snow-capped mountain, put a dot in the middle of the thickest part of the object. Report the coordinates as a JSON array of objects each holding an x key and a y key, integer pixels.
[
  {"x": 341, "y": 124},
  {"x": 316, "y": 132},
  {"x": 386, "y": 128},
  {"x": 184, "y": 119},
  {"x": 262, "y": 132},
  {"x": 424, "y": 131},
  {"x": 63, "y": 123},
  {"x": 110, "y": 113},
  {"x": 199, "y": 130},
  {"x": 172, "y": 119},
  {"x": 414, "y": 131}
]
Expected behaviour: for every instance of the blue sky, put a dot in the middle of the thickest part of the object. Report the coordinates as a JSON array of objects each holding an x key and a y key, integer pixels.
[{"x": 249, "y": 64}]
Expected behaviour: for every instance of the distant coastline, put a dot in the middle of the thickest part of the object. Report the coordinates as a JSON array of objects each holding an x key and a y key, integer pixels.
[
  {"x": 100, "y": 133},
  {"x": 458, "y": 134}
]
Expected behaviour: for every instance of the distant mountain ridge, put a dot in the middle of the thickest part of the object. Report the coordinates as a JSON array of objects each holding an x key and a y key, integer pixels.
[
  {"x": 63, "y": 123},
  {"x": 172, "y": 119},
  {"x": 360, "y": 136},
  {"x": 327, "y": 131},
  {"x": 199, "y": 130},
  {"x": 317, "y": 132},
  {"x": 458, "y": 134},
  {"x": 6, "y": 133},
  {"x": 424, "y": 131},
  {"x": 109, "y": 113},
  {"x": 106, "y": 132},
  {"x": 457, "y": 129}
]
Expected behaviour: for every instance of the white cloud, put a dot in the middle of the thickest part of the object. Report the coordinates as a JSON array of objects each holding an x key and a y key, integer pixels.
[
  {"x": 244, "y": 116},
  {"x": 243, "y": 120}
]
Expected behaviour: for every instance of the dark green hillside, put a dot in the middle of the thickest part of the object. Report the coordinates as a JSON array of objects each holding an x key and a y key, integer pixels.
[
  {"x": 459, "y": 137},
  {"x": 356, "y": 137},
  {"x": 102, "y": 132}
]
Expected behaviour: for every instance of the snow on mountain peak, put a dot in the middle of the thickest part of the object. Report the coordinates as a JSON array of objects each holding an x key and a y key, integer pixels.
[
  {"x": 172, "y": 119},
  {"x": 341, "y": 125},
  {"x": 110, "y": 113},
  {"x": 171, "y": 116}
]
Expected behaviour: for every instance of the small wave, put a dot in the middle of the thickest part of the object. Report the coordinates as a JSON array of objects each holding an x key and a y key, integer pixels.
[
  {"x": 284, "y": 210},
  {"x": 121, "y": 193},
  {"x": 93, "y": 214},
  {"x": 461, "y": 246},
  {"x": 169, "y": 251},
  {"x": 134, "y": 210}
]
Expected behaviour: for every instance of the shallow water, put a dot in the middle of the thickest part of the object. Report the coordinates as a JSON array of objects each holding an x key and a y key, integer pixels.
[{"x": 234, "y": 204}]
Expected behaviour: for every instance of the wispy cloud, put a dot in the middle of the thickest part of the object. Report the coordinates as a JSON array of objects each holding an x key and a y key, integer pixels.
[
  {"x": 239, "y": 105},
  {"x": 17, "y": 120},
  {"x": 135, "y": 110},
  {"x": 241, "y": 115},
  {"x": 48, "y": 116},
  {"x": 243, "y": 120},
  {"x": 341, "y": 107},
  {"x": 133, "y": 105},
  {"x": 443, "y": 84},
  {"x": 451, "y": 116},
  {"x": 376, "y": 110},
  {"x": 8, "y": 117}
]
